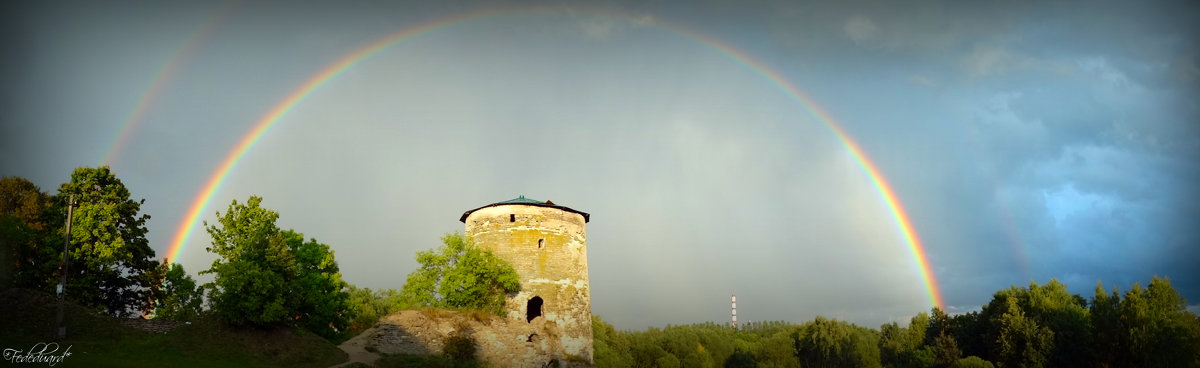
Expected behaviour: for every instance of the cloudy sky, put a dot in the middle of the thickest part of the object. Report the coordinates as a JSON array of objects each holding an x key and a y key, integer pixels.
[{"x": 1027, "y": 141}]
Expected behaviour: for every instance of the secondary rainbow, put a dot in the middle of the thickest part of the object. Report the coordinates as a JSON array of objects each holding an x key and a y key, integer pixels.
[
  {"x": 893, "y": 204},
  {"x": 164, "y": 74}
]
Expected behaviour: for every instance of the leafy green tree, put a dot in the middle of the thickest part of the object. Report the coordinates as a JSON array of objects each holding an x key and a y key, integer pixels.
[
  {"x": 320, "y": 298},
  {"x": 1106, "y": 326},
  {"x": 646, "y": 351},
  {"x": 920, "y": 357},
  {"x": 1066, "y": 314},
  {"x": 906, "y": 346},
  {"x": 918, "y": 329},
  {"x": 1021, "y": 341},
  {"x": 778, "y": 351},
  {"x": 611, "y": 347},
  {"x": 112, "y": 266},
  {"x": 832, "y": 343},
  {"x": 893, "y": 344},
  {"x": 667, "y": 361},
  {"x": 741, "y": 359},
  {"x": 968, "y": 329},
  {"x": 180, "y": 297},
  {"x": 27, "y": 260},
  {"x": 1159, "y": 330},
  {"x": 250, "y": 284},
  {"x": 264, "y": 275},
  {"x": 367, "y": 306},
  {"x": 945, "y": 350},
  {"x": 459, "y": 275}
]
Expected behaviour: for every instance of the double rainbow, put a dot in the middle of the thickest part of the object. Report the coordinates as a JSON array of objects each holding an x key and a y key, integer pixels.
[{"x": 904, "y": 224}]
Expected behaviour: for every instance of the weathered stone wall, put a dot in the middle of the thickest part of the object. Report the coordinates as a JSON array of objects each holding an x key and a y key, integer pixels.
[
  {"x": 157, "y": 326},
  {"x": 502, "y": 342},
  {"x": 548, "y": 248}
]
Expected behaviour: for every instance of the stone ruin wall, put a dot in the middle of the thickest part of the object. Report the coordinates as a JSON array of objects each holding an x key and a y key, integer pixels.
[
  {"x": 502, "y": 342},
  {"x": 548, "y": 248}
]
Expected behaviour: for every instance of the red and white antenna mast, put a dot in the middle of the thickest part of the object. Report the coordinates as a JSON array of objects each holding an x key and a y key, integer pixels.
[{"x": 733, "y": 304}]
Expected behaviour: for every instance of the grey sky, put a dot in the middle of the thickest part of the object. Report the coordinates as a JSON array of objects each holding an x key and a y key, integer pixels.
[{"x": 1028, "y": 141}]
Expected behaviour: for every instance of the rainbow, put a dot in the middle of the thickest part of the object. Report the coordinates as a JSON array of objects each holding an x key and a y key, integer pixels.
[
  {"x": 164, "y": 74},
  {"x": 894, "y": 206}
]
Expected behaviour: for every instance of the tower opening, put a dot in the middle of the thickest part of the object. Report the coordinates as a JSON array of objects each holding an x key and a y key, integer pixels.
[
  {"x": 541, "y": 242},
  {"x": 533, "y": 309},
  {"x": 512, "y": 217}
]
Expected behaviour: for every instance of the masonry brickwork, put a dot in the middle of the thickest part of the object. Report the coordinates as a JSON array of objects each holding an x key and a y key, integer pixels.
[{"x": 547, "y": 245}]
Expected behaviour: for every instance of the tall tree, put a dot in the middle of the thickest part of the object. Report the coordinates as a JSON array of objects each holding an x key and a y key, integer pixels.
[
  {"x": 832, "y": 343},
  {"x": 1159, "y": 330},
  {"x": 612, "y": 347},
  {"x": 250, "y": 284},
  {"x": 1106, "y": 326},
  {"x": 112, "y": 265},
  {"x": 1066, "y": 314},
  {"x": 460, "y": 275},
  {"x": 1020, "y": 341},
  {"x": 320, "y": 299},
  {"x": 28, "y": 261},
  {"x": 265, "y": 275}
]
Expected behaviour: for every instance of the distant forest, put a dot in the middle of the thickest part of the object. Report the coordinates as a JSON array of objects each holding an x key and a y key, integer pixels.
[{"x": 1035, "y": 326}]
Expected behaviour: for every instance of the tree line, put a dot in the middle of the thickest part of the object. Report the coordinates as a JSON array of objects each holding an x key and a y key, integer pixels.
[
  {"x": 1034, "y": 326},
  {"x": 267, "y": 276},
  {"x": 263, "y": 275}
]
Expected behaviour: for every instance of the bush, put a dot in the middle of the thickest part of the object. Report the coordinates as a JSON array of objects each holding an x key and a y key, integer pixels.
[
  {"x": 459, "y": 347},
  {"x": 460, "y": 276}
]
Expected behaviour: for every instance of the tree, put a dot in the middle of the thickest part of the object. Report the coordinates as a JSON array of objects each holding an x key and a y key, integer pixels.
[
  {"x": 832, "y": 343},
  {"x": 1106, "y": 326},
  {"x": 180, "y": 297},
  {"x": 1158, "y": 330},
  {"x": 112, "y": 265},
  {"x": 1066, "y": 314},
  {"x": 367, "y": 306},
  {"x": 251, "y": 270},
  {"x": 1021, "y": 341},
  {"x": 611, "y": 346},
  {"x": 945, "y": 350},
  {"x": 459, "y": 275},
  {"x": 265, "y": 275},
  {"x": 968, "y": 329},
  {"x": 741, "y": 359},
  {"x": 28, "y": 262},
  {"x": 893, "y": 344},
  {"x": 320, "y": 299}
]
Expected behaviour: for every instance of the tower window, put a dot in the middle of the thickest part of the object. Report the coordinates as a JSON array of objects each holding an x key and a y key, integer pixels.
[
  {"x": 512, "y": 217},
  {"x": 541, "y": 242},
  {"x": 533, "y": 309}
]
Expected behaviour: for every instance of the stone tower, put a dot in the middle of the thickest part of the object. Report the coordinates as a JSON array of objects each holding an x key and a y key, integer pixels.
[{"x": 547, "y": 245}]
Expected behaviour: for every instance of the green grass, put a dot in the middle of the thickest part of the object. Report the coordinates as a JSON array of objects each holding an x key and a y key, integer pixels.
[{"x": 97, "y": 340}]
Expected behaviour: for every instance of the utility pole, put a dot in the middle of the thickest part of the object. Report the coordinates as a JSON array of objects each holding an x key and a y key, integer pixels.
[{"x": 62, "y": 283}]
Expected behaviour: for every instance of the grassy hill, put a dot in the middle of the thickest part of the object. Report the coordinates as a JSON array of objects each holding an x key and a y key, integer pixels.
[{"x": 97, "y": 340}]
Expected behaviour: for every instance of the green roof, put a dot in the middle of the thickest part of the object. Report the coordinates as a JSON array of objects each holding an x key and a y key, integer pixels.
[
  {"x": 521, "y": 200},
  {"x": 530, "y": 202}
]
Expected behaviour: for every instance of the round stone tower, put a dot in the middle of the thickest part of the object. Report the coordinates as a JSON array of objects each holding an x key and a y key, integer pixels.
[{"x": 547, "y": 245}]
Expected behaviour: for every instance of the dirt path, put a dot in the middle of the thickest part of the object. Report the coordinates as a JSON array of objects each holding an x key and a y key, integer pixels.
[{"x": 356, "y": 348}]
